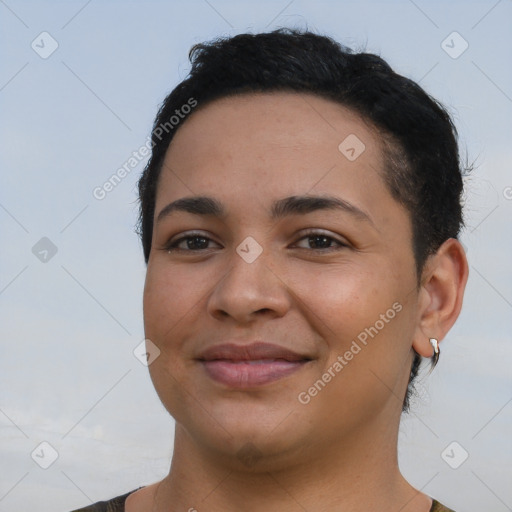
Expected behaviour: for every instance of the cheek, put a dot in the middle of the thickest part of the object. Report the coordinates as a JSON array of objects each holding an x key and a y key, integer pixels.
[
  {"x": 344, "y": 299},
  {"x": 360, "y": 317},
  {"x": 169, "y": 295},
  {"x": 363, "y": 316}
]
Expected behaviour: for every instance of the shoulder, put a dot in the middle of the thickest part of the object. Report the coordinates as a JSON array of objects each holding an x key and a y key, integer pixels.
[
  {"x": 438, "y": 507},
  {"x": 112, "y": 505}
]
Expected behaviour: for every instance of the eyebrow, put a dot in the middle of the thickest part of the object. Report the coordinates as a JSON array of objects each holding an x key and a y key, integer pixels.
[{"x": 292, "y": 205}]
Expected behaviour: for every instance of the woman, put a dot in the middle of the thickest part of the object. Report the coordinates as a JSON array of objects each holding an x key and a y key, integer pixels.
[{"x": 299, "y": 219}]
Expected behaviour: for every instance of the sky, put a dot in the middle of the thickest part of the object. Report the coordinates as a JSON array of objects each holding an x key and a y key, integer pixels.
[{"x": 80, "y": 84}]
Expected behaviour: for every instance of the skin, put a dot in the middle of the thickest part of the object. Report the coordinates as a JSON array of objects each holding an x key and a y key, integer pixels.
[{"x": 339, "y": 451}]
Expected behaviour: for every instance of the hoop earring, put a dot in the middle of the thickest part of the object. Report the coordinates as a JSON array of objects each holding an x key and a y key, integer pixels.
[{"x": 435, "y": 356}]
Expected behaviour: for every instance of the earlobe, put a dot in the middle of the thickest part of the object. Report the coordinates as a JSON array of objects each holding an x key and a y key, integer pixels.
[{"x": 440, "y": 301}]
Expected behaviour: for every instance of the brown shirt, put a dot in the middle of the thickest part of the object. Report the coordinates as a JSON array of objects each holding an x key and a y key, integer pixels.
[{"x": 117, "y": 505}]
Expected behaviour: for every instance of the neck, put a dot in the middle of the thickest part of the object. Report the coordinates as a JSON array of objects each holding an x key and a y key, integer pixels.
[{"x": 359, "y": 474}]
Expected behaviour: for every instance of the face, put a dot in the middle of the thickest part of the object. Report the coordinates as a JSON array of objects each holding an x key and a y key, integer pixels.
[{"x": 331, "y": 283}]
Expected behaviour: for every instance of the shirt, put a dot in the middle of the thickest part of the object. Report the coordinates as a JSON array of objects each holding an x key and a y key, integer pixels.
[{"x": 117, "y": 505}]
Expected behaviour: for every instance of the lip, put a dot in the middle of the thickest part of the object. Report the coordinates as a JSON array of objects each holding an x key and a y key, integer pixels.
[{"x": 251, "y": 365}]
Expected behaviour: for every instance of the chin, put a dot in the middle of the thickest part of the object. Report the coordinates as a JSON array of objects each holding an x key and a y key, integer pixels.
[{"x": 247, "y": 436}]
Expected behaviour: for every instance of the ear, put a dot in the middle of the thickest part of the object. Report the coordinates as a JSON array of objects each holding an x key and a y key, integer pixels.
[{"x": 442, "y": 288}]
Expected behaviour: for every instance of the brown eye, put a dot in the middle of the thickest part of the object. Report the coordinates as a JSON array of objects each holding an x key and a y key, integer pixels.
[
  {"x": 189, "y": 243},
  {"x": 322, "y": 242}
]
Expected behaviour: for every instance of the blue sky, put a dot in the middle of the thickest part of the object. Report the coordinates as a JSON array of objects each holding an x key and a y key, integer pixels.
[{"x": 69, "y": 325}]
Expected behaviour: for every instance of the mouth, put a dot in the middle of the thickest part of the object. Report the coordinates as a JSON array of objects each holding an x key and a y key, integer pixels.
[{"x": 247, "y": 366}]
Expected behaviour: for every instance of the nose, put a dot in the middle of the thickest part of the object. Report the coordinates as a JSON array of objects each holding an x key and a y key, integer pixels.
[{"x": 248, "y": 291}]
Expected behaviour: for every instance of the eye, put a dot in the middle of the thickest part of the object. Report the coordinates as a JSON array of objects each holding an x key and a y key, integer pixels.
[
  {"x": 192, "y": 242},
  {"x": 197, "y": 242},
  {"x": 323, "y": 242}
]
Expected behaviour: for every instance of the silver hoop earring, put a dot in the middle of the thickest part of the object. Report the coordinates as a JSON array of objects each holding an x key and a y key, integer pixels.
[{"x": 435, "y": 355}]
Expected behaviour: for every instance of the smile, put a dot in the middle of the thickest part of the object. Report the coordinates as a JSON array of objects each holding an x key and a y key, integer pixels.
[
  {"x": 246, "y": 374},
  {"x": 247, "y": 366}
]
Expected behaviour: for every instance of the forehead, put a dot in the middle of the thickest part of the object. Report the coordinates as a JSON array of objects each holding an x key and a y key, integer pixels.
[
  {"x": 278, "y": 119},
  {"x": 274, "y": 138}
]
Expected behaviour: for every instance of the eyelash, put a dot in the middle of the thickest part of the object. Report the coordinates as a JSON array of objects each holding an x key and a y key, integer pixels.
[{"x": 172, "y": 246}]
